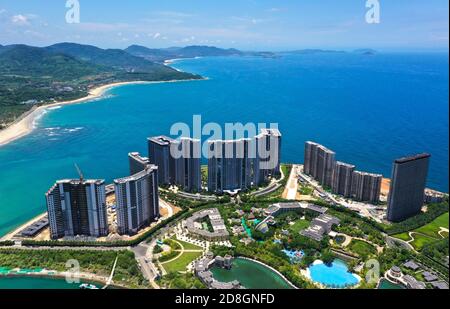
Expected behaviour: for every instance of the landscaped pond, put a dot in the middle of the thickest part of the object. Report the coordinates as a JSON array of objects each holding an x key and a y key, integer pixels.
[
  {"x": 251, "y": 275},
  {"x": 387, "y": 285},
  {"x": 335, "y": 275}
]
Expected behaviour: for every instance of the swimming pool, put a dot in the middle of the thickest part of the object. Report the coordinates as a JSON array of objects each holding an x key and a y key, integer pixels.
[
  {"x": 294, "y": 256},
  {"x": 335, "y": 275}
]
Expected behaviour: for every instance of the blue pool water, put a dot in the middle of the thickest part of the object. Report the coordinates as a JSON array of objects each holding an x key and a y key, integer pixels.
[
  {"x": 369, "y": 109},
  {"x": 295, "y": 256},
  {"x": 335, "y": 275}
]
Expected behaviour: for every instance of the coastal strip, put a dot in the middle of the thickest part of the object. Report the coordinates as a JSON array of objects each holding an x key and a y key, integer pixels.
[
  {"x": 17, "y": 230},
  {"x": 26, "y": 123}
]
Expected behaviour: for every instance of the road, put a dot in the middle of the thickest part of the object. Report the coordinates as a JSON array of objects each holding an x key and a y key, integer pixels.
[
  {"x": 143, "y": 255},
  {"x": 290, "y": 192}
]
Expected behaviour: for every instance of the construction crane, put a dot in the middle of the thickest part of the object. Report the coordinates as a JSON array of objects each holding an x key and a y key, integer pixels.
[{"x": 79, "y": 172}]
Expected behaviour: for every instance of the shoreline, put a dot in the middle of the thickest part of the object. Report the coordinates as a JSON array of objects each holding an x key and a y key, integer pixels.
[
  {"x": 56, "y": 275},
  {"x": 26, "y": 123},
  {"x": 15, "y": 231}
]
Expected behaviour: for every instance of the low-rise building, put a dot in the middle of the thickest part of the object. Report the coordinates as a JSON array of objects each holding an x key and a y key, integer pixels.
[
  {"x": 219, "y": 230},
  {"x": 320, "y": 226},
  {"x": 201, "y": 270},
  {"x": 411, "y": 265},
  {"x": 280, "y": 208}
]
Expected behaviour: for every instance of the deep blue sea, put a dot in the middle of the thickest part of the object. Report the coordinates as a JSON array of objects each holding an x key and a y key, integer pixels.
[{"x": 369, "y": 109}]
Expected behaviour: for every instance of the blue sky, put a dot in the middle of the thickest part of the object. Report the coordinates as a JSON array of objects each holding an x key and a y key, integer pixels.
[{"x": 244, "y": 24}]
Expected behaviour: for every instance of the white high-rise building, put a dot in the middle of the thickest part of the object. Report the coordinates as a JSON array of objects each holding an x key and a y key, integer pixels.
[{"x": 137, "y": 200}]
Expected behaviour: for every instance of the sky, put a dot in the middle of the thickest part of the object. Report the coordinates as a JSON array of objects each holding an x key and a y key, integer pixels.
[{"x": 245, "y": 24}]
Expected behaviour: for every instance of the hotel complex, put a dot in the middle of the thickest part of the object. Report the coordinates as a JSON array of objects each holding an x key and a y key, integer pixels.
[
  {"x": 137, "y": 200},
  {"x": 237, "y": 165},
  {"x": 77, "y": 207},
  {"x": 178, "y": 161},
  {"x": 406, "y": 194},
  {"x": 320, "y": 164}
]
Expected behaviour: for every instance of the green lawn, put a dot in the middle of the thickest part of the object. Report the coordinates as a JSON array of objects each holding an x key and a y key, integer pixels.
[
  {"x": 403, "y": 236},
  {"x": 420, "y": 241},
  {"x": 432, "y": 228},
  {"x": 189, "y": 246},
  {"x": 362, "y": 248},
  {"x": 182, "y": 262},
  {"x": 299, "y": 225},
  {"x": 428, "y": 232}
]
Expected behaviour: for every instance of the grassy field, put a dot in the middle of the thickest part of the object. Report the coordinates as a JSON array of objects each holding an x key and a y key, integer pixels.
[
  {"x": 299, "y": 225},
  {"x": 420, "y": 241},
  {"x": 428, "y": 233},
  {"x": 182, "y": 262},
  {"x": 362, "y": 248},
  {"x": 432, "y": 228},
  {"x": 189, "y": 246}
]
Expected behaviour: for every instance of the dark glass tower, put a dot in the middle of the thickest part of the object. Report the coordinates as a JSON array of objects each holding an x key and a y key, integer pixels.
[{"x": 406, "y": 194}]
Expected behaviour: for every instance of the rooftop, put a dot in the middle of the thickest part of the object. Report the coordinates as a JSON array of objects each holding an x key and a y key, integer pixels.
[{"x": 413, "y": 158}]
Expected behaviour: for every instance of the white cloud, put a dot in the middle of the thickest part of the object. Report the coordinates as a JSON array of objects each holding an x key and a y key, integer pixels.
[
  {"x": 20, "y": 20},
  {"x": 157, "y": 35}
]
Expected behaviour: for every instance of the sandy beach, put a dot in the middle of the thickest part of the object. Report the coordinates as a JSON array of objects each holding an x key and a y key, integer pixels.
[{"x": 26, "y": 123}]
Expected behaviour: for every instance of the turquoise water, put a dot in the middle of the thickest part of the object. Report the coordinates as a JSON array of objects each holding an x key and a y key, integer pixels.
[
  {"x": 251, "y": 275},
  {"x": 335, "y": 275},
  {"x": 387, "y": 285},
  {"x": 35, "y": 283},
  {"x": 370, "y": 110}
]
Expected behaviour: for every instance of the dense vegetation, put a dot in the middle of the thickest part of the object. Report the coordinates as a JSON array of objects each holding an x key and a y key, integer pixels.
[
  {"x": 98, "y": 262},
  {"x": 433, "y": 211},
  {"x": 30, "y": 76},
  {"x": 180, "y": 281}
]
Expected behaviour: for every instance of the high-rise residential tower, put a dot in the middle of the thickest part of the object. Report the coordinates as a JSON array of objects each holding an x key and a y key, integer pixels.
[
  {"x": 267, "y": 154},
  {"x": 137, "y": 200},
  {"x": 188, "y": 165},
  {"x": 341, "y": 182},
  {"x": 366, "y": 187},
  {"x": 178, "y": 161},
  {"x": 137, "y": 162},
  {"x": 229, "y": 165},
  {"x": 406, "y": 193},
  {"x": 159, "y": 153},
  {"x": 77, "y": 207},
  {"x": 319, "y": 162}
]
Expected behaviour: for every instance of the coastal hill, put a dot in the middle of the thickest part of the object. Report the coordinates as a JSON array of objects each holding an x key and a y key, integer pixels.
[
  {"x": 161, "y": 55},
  {"x": 115, "y": 58},
  {"x": 31, "y": 76}
]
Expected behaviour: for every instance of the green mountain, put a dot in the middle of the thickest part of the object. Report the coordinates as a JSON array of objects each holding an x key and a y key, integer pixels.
[
  {"x": 21, "y": 61},
  {"x": 115, "y": 58},
  {"x": 32, "y": 75}
]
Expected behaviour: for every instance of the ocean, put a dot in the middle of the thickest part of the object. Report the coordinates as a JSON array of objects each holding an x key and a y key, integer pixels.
[{"x": 369, "y": 109}]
